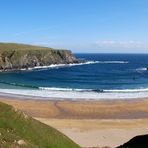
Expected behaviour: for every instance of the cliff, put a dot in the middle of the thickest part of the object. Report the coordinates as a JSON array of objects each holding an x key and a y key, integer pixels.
[{"x": 19, "y": 56}]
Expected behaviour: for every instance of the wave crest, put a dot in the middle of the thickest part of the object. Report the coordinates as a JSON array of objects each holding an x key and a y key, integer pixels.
[
  {"x": 75, "y": 64},
  {"x": 94, "y": 90},
  {"x": 113, "y": 62},
  {"x": 68, "y": 93},
  {"x": 142, "y": 69}
]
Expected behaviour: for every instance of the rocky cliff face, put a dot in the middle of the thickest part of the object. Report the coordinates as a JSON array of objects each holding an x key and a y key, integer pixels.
[{"x": 17, "y": 56}]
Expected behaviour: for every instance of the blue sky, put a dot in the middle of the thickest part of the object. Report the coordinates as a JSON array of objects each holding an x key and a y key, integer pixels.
[{"x": 79, "y": 25}]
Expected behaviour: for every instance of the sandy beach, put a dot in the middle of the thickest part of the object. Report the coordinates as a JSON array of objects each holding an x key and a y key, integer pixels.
[{"x": 89, "y": 123}]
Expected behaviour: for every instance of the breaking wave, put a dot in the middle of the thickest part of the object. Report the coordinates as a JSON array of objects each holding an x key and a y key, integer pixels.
[
  {"x": 95, "y": 90},
  {"x": 69, "y": 93},
  {"x": 75, "y": 64}
]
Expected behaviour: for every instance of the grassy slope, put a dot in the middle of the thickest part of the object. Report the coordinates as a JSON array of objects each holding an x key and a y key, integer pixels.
[
  {"x": 16, "y": 46},
  {"x": 14, "y": 126}
]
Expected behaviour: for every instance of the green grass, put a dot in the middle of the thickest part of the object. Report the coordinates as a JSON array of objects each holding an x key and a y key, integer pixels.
[
  {"x": 15, "y": 126},
  {"x": 16, "y": 46}
]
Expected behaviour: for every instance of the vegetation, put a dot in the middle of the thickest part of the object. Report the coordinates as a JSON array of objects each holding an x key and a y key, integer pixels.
[
  {"x": 22, "y": 131},
  {"x": 12, "y": 46}
]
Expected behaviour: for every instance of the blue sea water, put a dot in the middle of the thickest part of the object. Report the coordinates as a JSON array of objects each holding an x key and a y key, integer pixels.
[{"x": 103, "y": 76}]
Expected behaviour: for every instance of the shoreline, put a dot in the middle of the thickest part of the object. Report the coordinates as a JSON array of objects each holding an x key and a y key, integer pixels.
[
  {"x": 102, "y": 122},
  {"x": 40, "y": 98},
  {"x": 50, "y": 66}
]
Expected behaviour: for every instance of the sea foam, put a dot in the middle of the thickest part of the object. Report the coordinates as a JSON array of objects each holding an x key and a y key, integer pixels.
[
  {"x": 52, "y": 66},
  {"x": 76, "y": 94}
]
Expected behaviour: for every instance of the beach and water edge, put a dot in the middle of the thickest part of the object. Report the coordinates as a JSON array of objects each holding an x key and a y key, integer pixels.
[
  {"x": 101, "y": 102},
  {"x": 89, "y": 123}
]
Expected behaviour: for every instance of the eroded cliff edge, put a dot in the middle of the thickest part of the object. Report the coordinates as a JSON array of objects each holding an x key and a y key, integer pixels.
[{"x": 20, "y": 56}]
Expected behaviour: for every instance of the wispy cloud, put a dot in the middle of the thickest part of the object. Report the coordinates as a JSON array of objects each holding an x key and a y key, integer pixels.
[{"x": 121, "y": 44}]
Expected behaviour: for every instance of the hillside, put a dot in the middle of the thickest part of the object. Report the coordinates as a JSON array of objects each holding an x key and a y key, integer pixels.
[
  {"x": 19, "y": 130},
  {"x": 20, "y": 56}
]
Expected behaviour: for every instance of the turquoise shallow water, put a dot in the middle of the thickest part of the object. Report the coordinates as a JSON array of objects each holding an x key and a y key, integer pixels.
[{"x": 103, "y": 76}]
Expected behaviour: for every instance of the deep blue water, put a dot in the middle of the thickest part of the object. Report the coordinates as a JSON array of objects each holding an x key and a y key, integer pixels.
[{"x": 109, "y": 73}]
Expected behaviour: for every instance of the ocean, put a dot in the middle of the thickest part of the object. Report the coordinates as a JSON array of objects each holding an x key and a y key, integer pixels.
[{"x": 103, "y": 76}]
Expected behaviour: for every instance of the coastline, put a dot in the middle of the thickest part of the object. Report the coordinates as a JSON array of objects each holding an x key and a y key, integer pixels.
[
  {"x": 101, "y": 122},
  {"x": 39, "y": 98},
  {"x": 52, "y": 93}
]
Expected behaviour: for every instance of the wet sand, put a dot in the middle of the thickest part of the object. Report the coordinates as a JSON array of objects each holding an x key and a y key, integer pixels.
[{"x": 90, "y": 123}]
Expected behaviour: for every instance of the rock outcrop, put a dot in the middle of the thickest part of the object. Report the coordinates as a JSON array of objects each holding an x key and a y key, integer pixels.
[
  {"x": 20, "y": 56},
  {"x": 140, "y": 141}
]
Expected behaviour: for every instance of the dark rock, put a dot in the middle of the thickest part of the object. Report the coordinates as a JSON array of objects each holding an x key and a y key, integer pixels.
[
  {"x": 20, "y": 56},
  {"x": 136, "y": 142}
]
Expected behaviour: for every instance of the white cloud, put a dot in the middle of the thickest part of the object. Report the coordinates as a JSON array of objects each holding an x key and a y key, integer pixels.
[{"x": 121, "y": 44}]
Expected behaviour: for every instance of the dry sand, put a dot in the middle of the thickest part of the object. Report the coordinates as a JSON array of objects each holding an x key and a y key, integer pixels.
[
  {"x": 97, "y": 132},
  {"x": 90, "y": 123}
]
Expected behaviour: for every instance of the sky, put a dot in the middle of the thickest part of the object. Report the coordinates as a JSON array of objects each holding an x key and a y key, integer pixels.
[{"x": 92, "y": 26}]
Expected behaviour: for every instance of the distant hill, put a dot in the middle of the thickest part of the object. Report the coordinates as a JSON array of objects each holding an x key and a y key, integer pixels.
[
  {"x": 20, "y": 56},
  {"x": 17, "y": 130}
]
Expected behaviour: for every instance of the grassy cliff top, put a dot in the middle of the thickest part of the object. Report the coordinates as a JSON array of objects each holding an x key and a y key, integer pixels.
[
  {"x": 15, "y": 46},
  {"x": 19, "y": 130}
]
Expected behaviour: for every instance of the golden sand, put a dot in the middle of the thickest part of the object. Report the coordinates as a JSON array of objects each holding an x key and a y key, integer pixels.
[{"x": 90, "y": 123}]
